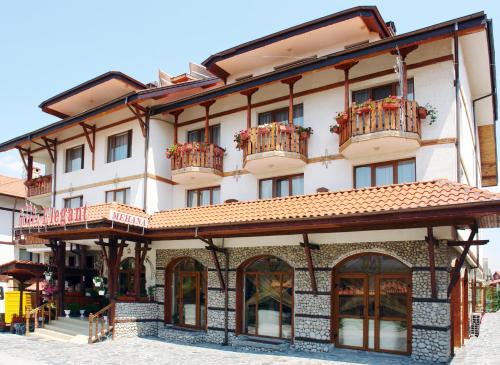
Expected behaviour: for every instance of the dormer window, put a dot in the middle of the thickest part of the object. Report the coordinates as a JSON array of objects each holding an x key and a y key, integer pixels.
[
  {"x": 281, "y": 116},
  {"x": 74, "y": 159}
]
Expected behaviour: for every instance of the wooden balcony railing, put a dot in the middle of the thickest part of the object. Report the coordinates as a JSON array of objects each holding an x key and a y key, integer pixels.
[
  {"x": 202, "y": 155},
  {"x": 38, "y": 186},
  {"x": 274, "y": 137},
  {"x": 102, "y": 323},
  {"x": 380, "y": 116}
]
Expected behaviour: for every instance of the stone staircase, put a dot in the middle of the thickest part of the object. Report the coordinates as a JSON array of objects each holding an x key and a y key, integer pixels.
[{"x": 73, "y": 330}]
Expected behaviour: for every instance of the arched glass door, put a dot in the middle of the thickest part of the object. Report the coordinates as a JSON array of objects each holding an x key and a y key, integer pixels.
[
  {"x": 372, "y": 304},
  {"x": 189, "y": 294},
  {"x": 268, "y": 298}
]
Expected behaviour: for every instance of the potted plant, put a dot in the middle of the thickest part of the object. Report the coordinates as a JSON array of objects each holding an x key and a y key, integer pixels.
[
  {"x": 82, "y": 313},
  {"x": 219, "y": 151},
  {"x": 101, "y": 291},
  {"x": 67, "y": 312},
  {"x": 391, "y": 103},
  {"x": 48, "y": 275},
  {"x": 334, "y": 128},
  {"x": 97, "y": 280},
  {"x": 187, "y": 147},
  {"x": 151, "y": 292},
  {"x": 304, "y": 132},
  {"x": 341, "y": 118},
  {"x": 429, "y": 111},
  {"x": 172, "y": 150},
  {"x": 365, "y": 107},
  {"x": 263, "y": 130},
  {"x": 241, "y": 138}
]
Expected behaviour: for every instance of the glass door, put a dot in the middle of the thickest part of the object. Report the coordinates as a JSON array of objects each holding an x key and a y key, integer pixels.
[
  {"x": 352, "y": 317},
  {"x": 392, "y": 309},
  {"x": 189, "y": 299}
]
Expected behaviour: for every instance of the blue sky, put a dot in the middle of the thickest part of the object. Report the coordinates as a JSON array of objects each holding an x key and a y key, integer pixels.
[{"x": 50, "y": 46}]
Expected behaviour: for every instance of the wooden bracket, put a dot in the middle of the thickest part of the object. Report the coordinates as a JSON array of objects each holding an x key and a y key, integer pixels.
[
  {"x": 142, "y": 123},
  {"x": 50, "y": 145},
  {"x": 213, "y": 252},
  {"x": 454, "y": 243},
  {"x": 291, "y": 80},
  {"x": 310, "y": 265},
  {"x": 346, "y": 66},
  {"x": 456, "y": 270},
  {"x": 89, "y": 132},
  {"x": 28, "y": 152},
  {"x": 431, "y": 242}
]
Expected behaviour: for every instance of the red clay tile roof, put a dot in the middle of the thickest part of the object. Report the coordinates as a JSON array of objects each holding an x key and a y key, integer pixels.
[
  {"x": 436, "y": 193},
  {"x": 12, "y": 186}
]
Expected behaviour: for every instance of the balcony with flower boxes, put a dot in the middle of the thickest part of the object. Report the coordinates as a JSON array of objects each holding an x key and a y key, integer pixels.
[
  {"x": 272, "y": 147},
  {"x": 196, "y": 163},
  {"x": 383, "y": 126},
  {"x": 39, "y": 186}
]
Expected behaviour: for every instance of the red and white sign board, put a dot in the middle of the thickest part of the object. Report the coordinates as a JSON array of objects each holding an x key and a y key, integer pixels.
[
  {"x": 132, "y": 220},
  {"x": 32, "y": 217}
]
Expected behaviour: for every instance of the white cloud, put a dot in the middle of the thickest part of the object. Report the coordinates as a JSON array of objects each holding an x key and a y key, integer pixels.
[{"x": 11, "y": 164}]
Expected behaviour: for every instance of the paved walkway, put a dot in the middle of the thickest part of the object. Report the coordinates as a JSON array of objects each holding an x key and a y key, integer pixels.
[
  {"x": 19, "y": 350},
  {"x": 485, "y": 349}
]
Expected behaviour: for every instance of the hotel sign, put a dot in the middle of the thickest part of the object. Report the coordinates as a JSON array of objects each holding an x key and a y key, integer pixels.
[
  {"x": 129, "y": 219},
  {"x": 32, "y": 217}
]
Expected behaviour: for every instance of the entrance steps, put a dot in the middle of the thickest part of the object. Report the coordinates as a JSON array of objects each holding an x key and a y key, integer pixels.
[
  {"x": 265, "y": 344},
  {"x": 73, "y": 330}
]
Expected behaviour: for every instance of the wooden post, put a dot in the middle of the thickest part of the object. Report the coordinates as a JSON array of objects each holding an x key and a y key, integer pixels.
[
  {"x": 137, "y": 270},
  {"x": 249, "y": 94},
  {"x": 112, "y": 269},
  {"x": 346, "y": 67},
  {"x": 290, "y": 82},
  {"x": 30, "y": 167},
  {"x": 21, "y": 292},
  {"x": 310, "y": 265},
  {"x": 37, "y": 292},
  {"x": 207, "y": 105},
  {"x": 82, "y": 265},
  {"x": 176, "y": 114}
]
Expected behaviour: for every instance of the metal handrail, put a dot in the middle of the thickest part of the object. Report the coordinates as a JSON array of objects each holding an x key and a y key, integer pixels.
[{"x": 96, "y": 320}]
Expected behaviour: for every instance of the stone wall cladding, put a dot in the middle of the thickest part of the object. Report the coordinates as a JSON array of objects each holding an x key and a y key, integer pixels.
[
  {"x": 136, "y": 319},
  {"x": 432, "y": 316}
]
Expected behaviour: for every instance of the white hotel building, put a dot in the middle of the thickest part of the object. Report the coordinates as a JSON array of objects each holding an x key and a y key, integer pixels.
[{"x": 352, "y": 235}]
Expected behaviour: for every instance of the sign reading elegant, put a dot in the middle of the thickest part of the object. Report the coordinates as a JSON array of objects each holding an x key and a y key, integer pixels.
[
  {"x": 129, "y": 219},
  {"x": 32, "y": 217}
]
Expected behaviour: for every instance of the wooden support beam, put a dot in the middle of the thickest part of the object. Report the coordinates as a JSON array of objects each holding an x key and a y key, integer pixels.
[
  {"x": 290, "y": 82},
  {"x": 456, "y": 270},
  {"x": 431, "y": 242},
  {"x": 310, "y": 265},
  {"x": 89, "y": 132},
  {"x": 139, "y": 117},
  {"x": 50, "y": 145},
  {"x": 346, "y": 67},
  {"x": 176, "y": 114},
  {"x": 454, "y": 243},
  {"x": 20, "y": 150},
  {"x": 213, "y": 252},
  {"x": 207, "y": 105},
  {"x": 248, "y": 93}
]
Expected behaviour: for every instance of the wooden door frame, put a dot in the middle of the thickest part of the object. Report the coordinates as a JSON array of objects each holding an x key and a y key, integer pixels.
[{"x": 196, "y": 275}]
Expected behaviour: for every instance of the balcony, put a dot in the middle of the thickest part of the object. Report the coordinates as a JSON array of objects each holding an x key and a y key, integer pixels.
[
  {"x": 274, "y": 147},
  {"x": 196, "y": 163},
  {"x": 383, "y": 126},
  {"x": 39, "y": 186}
]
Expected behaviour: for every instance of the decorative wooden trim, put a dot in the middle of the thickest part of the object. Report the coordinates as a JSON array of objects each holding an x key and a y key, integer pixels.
[
  {"x": 431, "y": 142},
  {"x": 429, "y": 300},
  {"x": 455, "y": 274},
  {"x": 310, "y": 265},
  {"x": 321, "y": 88},
  {"x": 314, "y": 316},
  {"x": 314, "y": 340},
  {"x": 431, "y": 328}
]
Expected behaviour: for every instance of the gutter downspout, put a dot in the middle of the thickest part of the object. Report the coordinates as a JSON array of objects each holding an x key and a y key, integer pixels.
[
  {"x": 146, "y": 160},
  {"x": 457, "y": 99},
  {"x": 226, "y": 296}
]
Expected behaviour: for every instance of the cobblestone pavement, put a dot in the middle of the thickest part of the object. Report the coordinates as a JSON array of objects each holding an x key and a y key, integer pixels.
[
  {"x": 138, "y": 351},
  {"x": 482, "y": 350}
]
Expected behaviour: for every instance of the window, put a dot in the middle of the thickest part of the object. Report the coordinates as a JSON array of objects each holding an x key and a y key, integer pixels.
[
  {"x": 126, "y": 278},
  {"x": 266, "y": 286},
  {"x": 278, "y": 187},
  {"x": 121, "y": 196},
  {"x": 25, "y": 255},
  {"x": 281, "y": 116},
  {"x": 75, "y": 202},
  {"x": 187, "y": 289},
  {"x": 198, "y": 135},
  {"x": 204, "y": 196},
  {"x": 381, "y": 92},
  {"x": 74, "y": 159},
  {"x": 119, "y": 146},
  {"x": 384, "y": 173}
]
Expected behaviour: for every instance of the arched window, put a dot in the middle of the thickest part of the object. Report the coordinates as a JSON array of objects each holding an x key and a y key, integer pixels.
[
  {"x": 266, "y": 289},
  {"x": 186, "y": 293},
  {"x": 372, "y": 303},
  {"x": 126, "y": 279}
]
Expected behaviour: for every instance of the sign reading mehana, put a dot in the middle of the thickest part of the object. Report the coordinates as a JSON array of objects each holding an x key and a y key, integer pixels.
[
  {"x": 130, "y": 219},
  {"x": 32, "y": 217}
]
